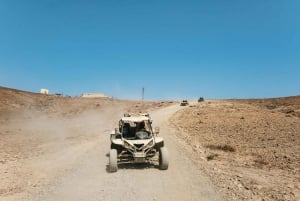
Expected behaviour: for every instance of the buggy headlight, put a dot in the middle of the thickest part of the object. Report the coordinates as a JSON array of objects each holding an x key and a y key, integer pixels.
[
  {"x": 150, "y": 144},
  {"x": 127, "y": 145}
]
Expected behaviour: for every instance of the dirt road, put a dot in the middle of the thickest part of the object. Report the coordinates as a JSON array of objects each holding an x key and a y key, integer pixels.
[{"x": 74, "y": 168}]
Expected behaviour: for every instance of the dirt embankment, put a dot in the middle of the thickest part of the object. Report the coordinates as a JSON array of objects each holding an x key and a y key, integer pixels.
[{"x": 250, "y": 148}]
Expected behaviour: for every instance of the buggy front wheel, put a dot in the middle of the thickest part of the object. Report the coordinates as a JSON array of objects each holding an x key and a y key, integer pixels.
[
  {"x": 113, "y": 160},
  {"x": 163, "y": 158}
]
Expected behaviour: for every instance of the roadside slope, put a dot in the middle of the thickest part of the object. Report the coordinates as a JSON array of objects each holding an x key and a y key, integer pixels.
[{"x": 250, "y": 148}]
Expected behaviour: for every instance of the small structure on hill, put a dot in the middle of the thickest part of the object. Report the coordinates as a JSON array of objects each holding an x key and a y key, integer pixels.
[
  {"x": 94, "y": 95},
  {"x": 44, "y": 91}
]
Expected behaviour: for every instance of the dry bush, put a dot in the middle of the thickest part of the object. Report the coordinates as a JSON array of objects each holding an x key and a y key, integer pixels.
[
  {"x": 211, "y": 156},
  {"x": 226, "y": 147}
]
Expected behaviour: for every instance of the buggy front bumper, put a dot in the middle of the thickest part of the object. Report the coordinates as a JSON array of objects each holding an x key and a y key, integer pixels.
[{"x": 139, "y": 157}]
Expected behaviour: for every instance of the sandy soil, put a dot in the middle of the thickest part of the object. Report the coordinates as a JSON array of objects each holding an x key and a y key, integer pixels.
[
  {"x": 55, "y": 148},
  {"x": 249, "y": 148}
]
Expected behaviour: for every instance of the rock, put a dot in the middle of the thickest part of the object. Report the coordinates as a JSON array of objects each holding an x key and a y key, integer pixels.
[{"x": 259, "y": 187}]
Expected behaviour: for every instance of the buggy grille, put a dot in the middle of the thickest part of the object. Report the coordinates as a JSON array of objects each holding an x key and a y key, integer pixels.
[{"x": 138, "y": 145}]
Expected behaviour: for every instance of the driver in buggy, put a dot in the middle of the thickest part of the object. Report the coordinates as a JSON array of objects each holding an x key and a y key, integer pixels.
[{"x": 142, "y": 132}]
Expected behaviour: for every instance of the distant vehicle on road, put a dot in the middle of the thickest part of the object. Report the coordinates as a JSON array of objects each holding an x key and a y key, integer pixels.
[
  {"x": 201, "y": 99},
  {"x": 184, "y": 103}
]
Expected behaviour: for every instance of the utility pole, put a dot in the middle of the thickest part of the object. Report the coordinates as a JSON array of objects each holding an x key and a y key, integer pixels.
[{"x": 143, "y": 92}]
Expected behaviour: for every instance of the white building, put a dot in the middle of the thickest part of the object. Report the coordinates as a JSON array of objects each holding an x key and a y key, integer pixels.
[
  {"x": 44, "y": 91},
  {"x": 94, "y": 95}
]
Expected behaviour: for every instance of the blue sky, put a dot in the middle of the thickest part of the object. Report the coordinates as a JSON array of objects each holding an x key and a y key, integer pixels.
[{"x": 175, "y": 49}]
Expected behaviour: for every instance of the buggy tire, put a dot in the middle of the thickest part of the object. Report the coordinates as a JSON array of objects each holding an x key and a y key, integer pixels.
[
  {"x": 113, "y": 160},
  {"x": 163, "y": 158},
  {"x": 159, "y": 145},
  {"x": 117, "y": 147}
]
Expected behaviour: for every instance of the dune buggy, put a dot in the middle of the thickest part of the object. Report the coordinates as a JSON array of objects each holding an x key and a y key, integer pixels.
[
  {"x": 184, "y": 103},
  {"x": 136, "y": 142}
]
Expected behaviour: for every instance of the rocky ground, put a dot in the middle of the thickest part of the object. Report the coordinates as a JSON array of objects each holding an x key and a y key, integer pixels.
[{"x": 250, "y": 148}]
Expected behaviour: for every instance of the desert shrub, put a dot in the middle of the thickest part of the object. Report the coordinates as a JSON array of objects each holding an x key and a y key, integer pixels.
[
  {"x": 200, "y": 99},
  {"x": 211, "y": 156},
  {"x": 260, "y": 163},
  {"x": 226, "y": 147}
]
